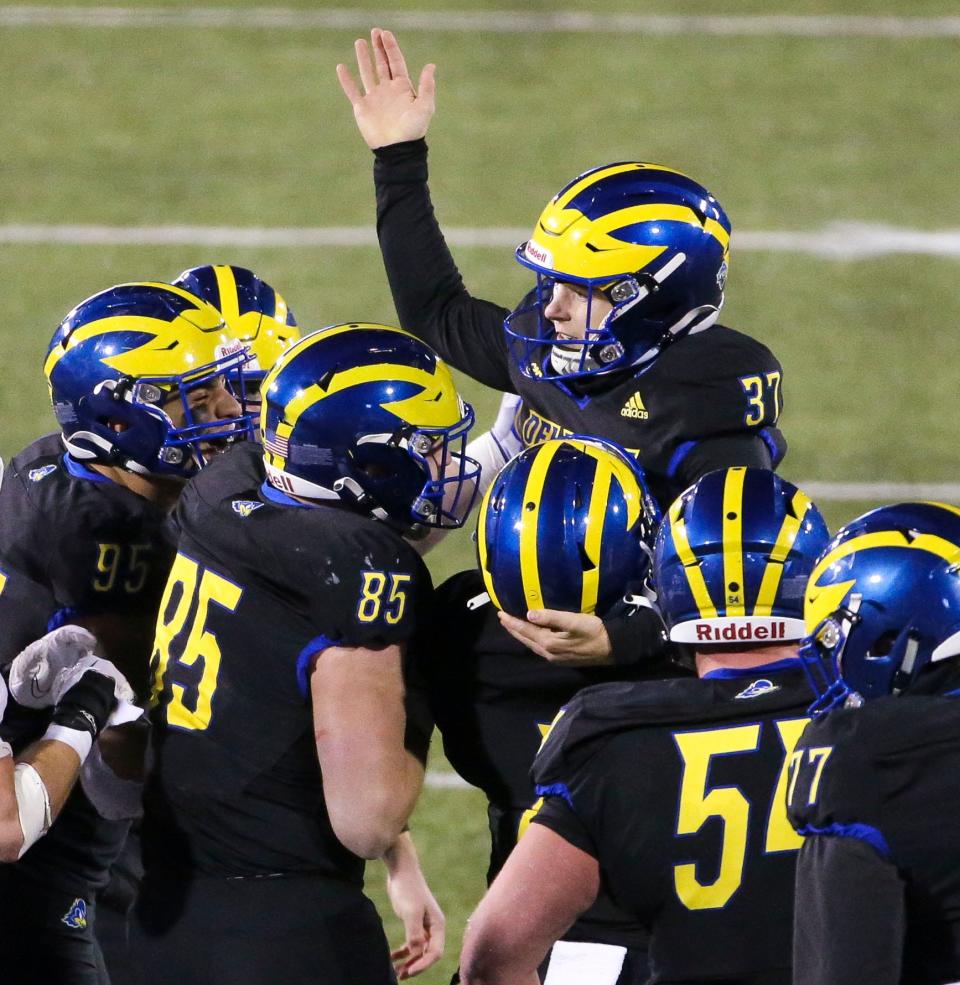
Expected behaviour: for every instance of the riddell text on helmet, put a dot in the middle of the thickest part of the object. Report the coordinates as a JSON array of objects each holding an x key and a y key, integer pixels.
[{"x": 707, "y": 633}]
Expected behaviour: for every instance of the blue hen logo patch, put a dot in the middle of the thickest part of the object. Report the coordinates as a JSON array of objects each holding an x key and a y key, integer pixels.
[
  {"x": 76, "y": 916},
  {"x": 245, "y": 506},
  {"x": 35, "y": 475},
  {"x": 758, "y": 688}
]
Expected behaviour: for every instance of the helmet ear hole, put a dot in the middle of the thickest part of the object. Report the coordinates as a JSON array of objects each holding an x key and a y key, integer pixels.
[{"x": 883, "y": 644}]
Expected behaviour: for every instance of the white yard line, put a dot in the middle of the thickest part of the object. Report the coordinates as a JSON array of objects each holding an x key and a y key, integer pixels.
[
  {"x": 491, "y": 21},
  {"x": 836, "y": 241},
  {"x": 888, "y": 492}
]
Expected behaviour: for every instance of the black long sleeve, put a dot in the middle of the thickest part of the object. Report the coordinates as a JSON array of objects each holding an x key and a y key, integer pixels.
[
  {"x": 850, "y": 918},
  {"x": 428, "y": 291}
]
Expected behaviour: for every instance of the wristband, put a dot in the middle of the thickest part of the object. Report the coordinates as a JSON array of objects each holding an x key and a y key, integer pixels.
[
  {"x": 87, "y": 705},
  {"x": 79, "y": 740}
]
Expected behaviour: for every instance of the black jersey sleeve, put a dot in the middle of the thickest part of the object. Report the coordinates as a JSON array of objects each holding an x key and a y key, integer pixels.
[
  {"x": 26, "y": 541},
  {"x": 834, "y": 789},
  {"x": 96, "y": 546},
  {"x": 574, "y": 776},
  {"x": 719, "y": 402},
  {"x": 557, "y": 814},
  {"x": 428, "y": 291},
  {"x": 25, "y": 610},
  {"x": 849, "y": 918},
  {"x": 374, "y": 588},
  {"x": 751, "y": 450}
]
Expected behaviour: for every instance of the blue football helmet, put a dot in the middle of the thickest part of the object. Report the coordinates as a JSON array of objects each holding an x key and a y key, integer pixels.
[
  {"x": 566, "y": 524},
  {"x": 732, "y": 559},
  {"x": 360, "y": 413},
  {"x": 652, "y": 241},
  {"x": 117, "y": 361},
  {"x": 256, "y": 315},
  {"x": 883, "y": 603}
]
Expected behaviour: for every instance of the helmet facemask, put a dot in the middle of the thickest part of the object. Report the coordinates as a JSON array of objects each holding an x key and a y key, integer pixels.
[
  {"x": 435, "y": 487},
  {"x": 643, "y": 319},
  {"x": 148, "y": 441},
  {"x": 821, "y": 655}
]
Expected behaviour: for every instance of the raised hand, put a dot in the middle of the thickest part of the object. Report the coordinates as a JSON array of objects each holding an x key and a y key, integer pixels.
[{"x": 390, "y": 110}]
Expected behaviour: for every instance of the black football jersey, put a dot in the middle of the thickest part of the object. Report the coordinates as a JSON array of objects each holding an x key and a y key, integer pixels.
[
  {"x": 874, "y": 789},
  {"x": 93, "y": 546},
  {"x": 710, "y": 400},
  {"x": 75, "y": 546},
  {"x": 677, "y": 788},
  {"x": 260, "y": 584},
  {"x": 493, "y": 701}
]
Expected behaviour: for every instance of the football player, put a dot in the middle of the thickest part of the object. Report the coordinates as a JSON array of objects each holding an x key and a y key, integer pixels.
[
  {"x": 138, "y": 376},
  {"x": 257, "y": 316},
  {"x": 86, "y": 695},
  {"x": 618, "y": 338},
  {"x": 873, "y": 784},
  {"x": 670, "y": 796},
  {"x": 279, "y": 659},
  {"x": 568, "y": 524}
]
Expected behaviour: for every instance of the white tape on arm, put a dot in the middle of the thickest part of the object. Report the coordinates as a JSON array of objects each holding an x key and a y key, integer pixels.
[{"x": 33, "y": 804}]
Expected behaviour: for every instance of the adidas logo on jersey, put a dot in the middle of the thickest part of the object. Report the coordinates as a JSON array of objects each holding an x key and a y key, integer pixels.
[{"x": 634, "y": 408}]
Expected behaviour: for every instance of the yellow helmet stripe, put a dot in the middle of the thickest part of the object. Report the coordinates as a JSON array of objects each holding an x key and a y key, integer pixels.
[
  {"x": 691, "y": 567},
  {"x": 596, "y": 516},
  {"x": 595, "y": 176},
  {"x": 734, "y": 589},
  {"x": 939, "y": 546},
  {"x": 305, "y": 342},
  {"x": 654, "y": 213},
  {"x": 532, "y": 493},
  {"x": 53, "y": 357},
  {"x": 227, "y": 288},
  {"x": 430, "y": 411},
  {"x": 482, "y": 545},
  {"x": 620, "y": 470},
  {"x": 781, "y": 548}
]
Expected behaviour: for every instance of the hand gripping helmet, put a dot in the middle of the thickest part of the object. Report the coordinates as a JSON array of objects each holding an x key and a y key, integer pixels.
[
  {"x": 883, "y": 603},
  {"x": 362, "y": 413},
  {"x": 257, "y": 316},
  {"x": 566, "y": 524},
  {"x": 649, "y": 239},
  {"x": 119, "y": 357},
  {"x": 732, "y": 559}
]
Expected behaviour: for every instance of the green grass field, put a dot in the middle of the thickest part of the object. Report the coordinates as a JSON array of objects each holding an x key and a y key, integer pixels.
[{"x": 247, "y": 127}]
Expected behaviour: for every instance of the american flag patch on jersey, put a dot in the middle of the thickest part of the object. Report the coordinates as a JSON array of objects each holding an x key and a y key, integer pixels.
[{"x": 277, "y": 445}]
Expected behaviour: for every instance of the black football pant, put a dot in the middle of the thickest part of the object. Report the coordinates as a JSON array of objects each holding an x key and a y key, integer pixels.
[
  {"x": 290, "y": 929},
  {"x": 47, "y": 934}
]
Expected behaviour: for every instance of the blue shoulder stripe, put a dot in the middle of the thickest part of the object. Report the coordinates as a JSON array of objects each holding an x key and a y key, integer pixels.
[
  {"x": 862, "y": 832},
  {"x": 554, "y": 790},
  {"x": 316, "y": 645}
]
